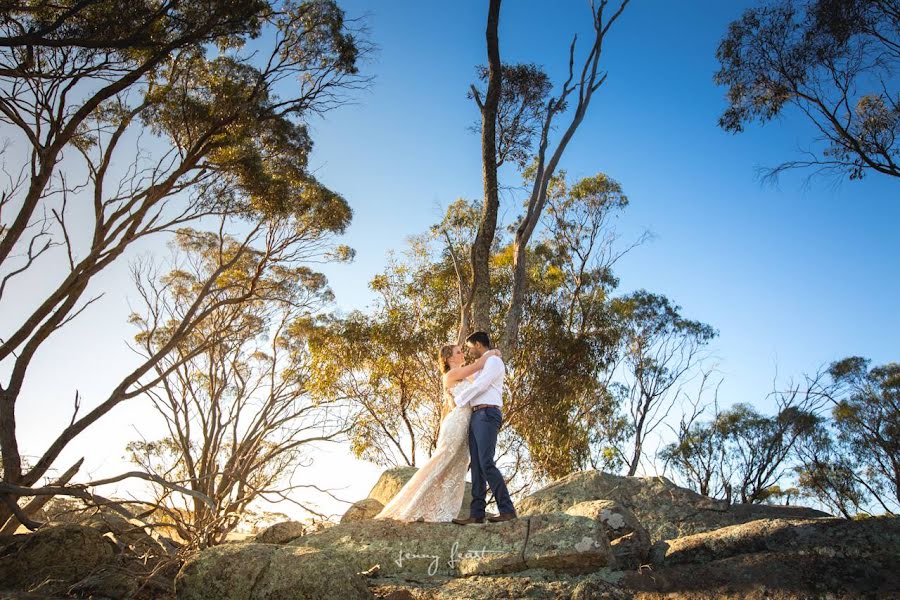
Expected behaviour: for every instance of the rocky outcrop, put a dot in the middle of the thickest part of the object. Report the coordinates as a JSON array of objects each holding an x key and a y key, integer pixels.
[
  {"x": 250, "y": 571},
  {"x": 778, "y": 559},
  {"x": 629, "y": 541},
  {"x": 386, "y": 488},
  {"x": 280, "y": 533},
  {"x": 130, "y": 535},
  {"x": 103, "y": 555},
  {"x": 557, "y": 541},
  {"x": 831, "y": 538},
  {"x": 534, "y": 585},
  {"x": 362, "y": 510},
  {"x": 664, "y": 509},
  {"x": 44, "y": 559},
  {"x": 390, "y": 483},
  {"x": 587, "y": 536}
]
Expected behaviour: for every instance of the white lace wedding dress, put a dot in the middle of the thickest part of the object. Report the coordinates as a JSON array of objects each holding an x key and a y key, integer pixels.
[{"x": 435, "y": 492}]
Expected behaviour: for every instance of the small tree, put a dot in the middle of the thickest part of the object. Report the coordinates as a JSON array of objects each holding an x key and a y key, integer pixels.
[
  {"x": 759, "y": 446},
  {"x": 660, "y": 348},
  {"x": 856, "y": 461},
  {"x": 233, "y": 394},
  {"x": 385, "y": 362},
  {"x": 826, "y": 475},
  {"x": 699, "y": 454},
  {"x": 742, "y": 452}
]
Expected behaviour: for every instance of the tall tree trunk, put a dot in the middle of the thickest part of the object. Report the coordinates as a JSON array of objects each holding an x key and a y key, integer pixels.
[
  {"x": 635, "y": 457},
  {"x": 588, "y": 83},
  {"x": 479, "y": 303}
]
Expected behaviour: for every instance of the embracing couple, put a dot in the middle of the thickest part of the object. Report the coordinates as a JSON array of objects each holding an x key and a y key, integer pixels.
[{"x": 473, "y": 394}]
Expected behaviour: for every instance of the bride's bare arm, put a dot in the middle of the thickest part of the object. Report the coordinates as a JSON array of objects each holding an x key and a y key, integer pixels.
[{"x": 454, "y": 375}]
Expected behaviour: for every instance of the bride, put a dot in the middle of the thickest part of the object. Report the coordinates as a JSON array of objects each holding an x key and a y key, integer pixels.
[{"x": 435, "y": 492}]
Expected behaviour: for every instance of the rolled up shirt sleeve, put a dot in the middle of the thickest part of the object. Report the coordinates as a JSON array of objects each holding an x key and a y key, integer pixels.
[{"x": 492, "y": 369}]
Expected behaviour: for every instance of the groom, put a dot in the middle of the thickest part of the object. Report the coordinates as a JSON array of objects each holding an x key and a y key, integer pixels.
[{"x": 486, "y": 396}]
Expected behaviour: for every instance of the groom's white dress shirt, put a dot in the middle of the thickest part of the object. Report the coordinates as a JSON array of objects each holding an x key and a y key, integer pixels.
[{"x": 488, "y": 385}]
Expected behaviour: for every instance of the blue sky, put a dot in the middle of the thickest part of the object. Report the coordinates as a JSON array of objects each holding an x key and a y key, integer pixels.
[{"x": 797, "y": 275}]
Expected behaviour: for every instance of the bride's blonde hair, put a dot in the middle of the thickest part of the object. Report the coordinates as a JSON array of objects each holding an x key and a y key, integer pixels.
[{"x": 444, "y": 355}]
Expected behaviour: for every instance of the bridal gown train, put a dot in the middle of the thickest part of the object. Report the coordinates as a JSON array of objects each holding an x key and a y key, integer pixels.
[{"x": 435, "y": 492}]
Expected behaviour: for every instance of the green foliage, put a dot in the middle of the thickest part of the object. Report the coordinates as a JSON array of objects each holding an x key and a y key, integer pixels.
[
  {"x": 562, "y": 410},
  {"x": 233, "y": 389},
  {"x": 135, "y": 27},
  {"x": 741, "y": 451},
  {"x": 385, "y": 362},
  {"x": 166, "y": 117},
  {"x": 835, "y": 60},
  {"x": 524, "y": 89},
  {"x": 856, "y": 460}
]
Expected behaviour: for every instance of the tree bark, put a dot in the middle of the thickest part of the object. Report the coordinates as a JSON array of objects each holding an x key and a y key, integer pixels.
[
  {"x": 38, "y": 502},
  {"x": 479, "y": 304},
  {"x": 589, "y": 81}
]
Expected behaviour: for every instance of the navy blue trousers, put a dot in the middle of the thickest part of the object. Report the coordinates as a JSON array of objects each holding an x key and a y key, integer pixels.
[{"x": 483, "y": 430}]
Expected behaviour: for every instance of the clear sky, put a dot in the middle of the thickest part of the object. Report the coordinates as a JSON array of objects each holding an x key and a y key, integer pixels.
[{"x": 795, "y": 276}]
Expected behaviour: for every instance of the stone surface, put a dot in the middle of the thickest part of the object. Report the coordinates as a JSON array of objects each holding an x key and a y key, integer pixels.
[
  {"x": 250, "y": 571},
  {"x": 628, "y": 539},
  {"x": 99, "y": 555},
  {"x": 53, "y": 557},
  {"x": 769, "y": 576},
  {"x": 131, "y": 535},
  {"x": 831, "y": 538},
  {"x": 566, "y": 543},
  {"x": 664, "y": 509},
  {"x": 779, "y": 559},
  {"x": 533, "y": 585},
  {"x": 362, "y": 510},
  {"x": 280, "y": 533},
  {"x": 559, "y": 541},
  {"x": 579, "y": 539}
]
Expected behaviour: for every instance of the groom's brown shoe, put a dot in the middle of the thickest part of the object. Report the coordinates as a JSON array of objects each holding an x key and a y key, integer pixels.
[
  {"x": 467, "y": 521},
  {"x": 503, "y": 517}
]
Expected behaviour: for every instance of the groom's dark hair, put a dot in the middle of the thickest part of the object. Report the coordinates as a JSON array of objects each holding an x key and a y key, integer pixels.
[{"x": 480, "y": 337}]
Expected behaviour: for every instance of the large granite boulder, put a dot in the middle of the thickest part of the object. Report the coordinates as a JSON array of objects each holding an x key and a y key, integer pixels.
[
  {"x": 778, "y": 559},
  {"x": 132, "y": 536},
  {"x": 557, "y": 541},
  {"x": 100, "y": 555},
  {"x": 54, "y": 557},
  {"x": 664, "y": 509},
  {"x": 390, "y": 483},
  {"x": 364, "y": 509},
  {"x": 250, "y": 571},
  {"x": 280, "y": 533},
  {"x": 629, "y": 541},
  {"x": 842, "y": 538},
  {"x": 386, "y": 488}
]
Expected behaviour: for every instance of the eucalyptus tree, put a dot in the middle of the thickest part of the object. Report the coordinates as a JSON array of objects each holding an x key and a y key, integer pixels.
[
  {"x": 519, "y": 112},
  {"x": 233, "y": 393},
  {"x": 853, "y": 461},
  {"x": 660, "y": 348},
  {"x": 835, "y": 62},
  {"x": 133, "y": 119}
]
